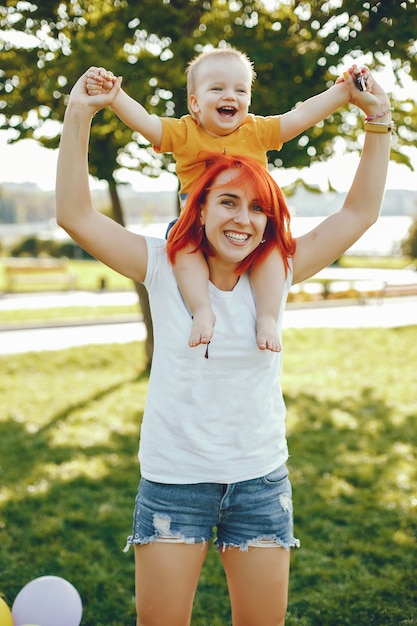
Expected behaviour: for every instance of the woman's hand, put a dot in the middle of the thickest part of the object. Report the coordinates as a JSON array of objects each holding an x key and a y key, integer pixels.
[
  {"x": 373, "y": 100},
  {"x": 79, "y": 95}
]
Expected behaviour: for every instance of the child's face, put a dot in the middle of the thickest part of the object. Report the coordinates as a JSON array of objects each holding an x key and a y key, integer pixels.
[{"x": 221, "y": 97}]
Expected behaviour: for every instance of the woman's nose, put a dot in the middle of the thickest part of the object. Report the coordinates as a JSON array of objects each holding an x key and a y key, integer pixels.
[{"x": 242, "y": 215}]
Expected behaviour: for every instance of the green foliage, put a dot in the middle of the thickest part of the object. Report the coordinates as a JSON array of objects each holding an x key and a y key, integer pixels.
[
  {"x": 409, "y": 245},
  {"x": 296, "y": 47},
  {"x": 69, "y": 424},
  {"x": 35, "y": 246}
]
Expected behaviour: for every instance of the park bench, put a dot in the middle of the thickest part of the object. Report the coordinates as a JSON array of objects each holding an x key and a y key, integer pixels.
[
  {"x": 364, "y": 289},
  {"x": 38, "y": 272},
  {"x": 325, "y": 288},
  {"x": 408, "y": 289}
]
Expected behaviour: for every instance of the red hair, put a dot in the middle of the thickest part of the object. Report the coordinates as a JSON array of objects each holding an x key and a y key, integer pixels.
[{"x": 188, "y": 231}]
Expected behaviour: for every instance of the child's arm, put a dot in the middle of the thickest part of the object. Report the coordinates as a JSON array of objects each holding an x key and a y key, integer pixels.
[
  {"x": 132, "y": 113},
  {"x": 313, "y": 110}
]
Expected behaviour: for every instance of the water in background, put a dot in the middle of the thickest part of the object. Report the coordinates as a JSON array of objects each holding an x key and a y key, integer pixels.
[{"x": 382, "y": 239}]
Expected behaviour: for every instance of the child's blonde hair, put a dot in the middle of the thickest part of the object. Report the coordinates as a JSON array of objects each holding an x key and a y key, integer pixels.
[{"x": 227, "y": 53}]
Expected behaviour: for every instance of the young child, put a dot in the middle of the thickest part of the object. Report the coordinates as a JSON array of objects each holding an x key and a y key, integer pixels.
[{"x": 219, "y": 84}]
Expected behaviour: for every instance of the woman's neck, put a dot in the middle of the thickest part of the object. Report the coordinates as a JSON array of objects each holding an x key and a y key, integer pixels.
[{"x": 222, "y": 275}]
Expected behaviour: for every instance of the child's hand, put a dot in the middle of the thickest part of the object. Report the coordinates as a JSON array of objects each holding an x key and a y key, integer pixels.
[
  {"x": 99, "y": 81},
  {"x": 80, "y": 95},
  {"x": 373, "y": 99}
]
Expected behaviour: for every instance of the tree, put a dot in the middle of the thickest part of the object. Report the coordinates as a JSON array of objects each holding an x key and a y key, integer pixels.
[
  {"x": 409, "y": 244},
  {"x": 297, "y": 47}
]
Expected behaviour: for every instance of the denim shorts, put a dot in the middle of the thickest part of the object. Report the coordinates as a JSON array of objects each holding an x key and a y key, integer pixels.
[{"x": 255, "y": 512}]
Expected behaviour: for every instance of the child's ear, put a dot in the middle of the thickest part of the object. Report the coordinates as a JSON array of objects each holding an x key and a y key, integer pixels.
[{"x": 193, "y": 104}]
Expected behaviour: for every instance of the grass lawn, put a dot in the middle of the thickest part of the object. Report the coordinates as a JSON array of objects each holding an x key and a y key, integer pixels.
[
  {"x": 69, "y": 426},
  {"x": 69, "y": 314}
]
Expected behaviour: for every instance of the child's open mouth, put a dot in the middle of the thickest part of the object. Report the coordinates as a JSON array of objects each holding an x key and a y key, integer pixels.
[{"x": 227, "y": 111}]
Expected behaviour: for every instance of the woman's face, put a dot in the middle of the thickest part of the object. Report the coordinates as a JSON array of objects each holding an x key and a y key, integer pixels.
[{"x": 233, "y": 218}]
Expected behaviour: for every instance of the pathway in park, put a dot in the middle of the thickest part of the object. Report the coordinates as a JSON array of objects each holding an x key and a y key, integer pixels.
[{"x": 376, "y": 312}]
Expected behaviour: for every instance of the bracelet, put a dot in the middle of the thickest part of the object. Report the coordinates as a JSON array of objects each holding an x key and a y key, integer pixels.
[
  {"x": 369, "y": 118},
  {"x": 374, "y": 127}
]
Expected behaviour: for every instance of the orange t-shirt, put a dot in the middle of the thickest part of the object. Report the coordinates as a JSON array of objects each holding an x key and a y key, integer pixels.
[{"x": 190, "y": 144}]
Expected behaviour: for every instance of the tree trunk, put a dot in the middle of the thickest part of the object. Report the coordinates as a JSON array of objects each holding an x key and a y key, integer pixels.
[{"x": 139, "y": 288}]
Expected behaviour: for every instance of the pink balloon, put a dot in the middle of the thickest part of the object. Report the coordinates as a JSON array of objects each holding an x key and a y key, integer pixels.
[{"x": 48, "y": 601}]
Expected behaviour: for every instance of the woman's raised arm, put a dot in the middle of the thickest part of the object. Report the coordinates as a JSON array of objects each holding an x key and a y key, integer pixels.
[
  {"x": 103, "y": 238},
  {"x": 325, "y": 243}
]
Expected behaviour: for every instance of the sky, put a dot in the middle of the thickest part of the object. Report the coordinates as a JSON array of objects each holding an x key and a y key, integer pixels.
[{"x": 27, "y": 161}]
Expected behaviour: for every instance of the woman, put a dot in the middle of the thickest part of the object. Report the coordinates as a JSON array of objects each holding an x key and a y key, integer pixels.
[{"x": 213, "y": 450}]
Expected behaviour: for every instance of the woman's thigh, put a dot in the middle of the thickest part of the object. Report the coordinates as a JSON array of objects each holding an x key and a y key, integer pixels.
[
  {"x": 166, "y": 577},
  {"x": 258, "y": 584},
  {"x": 172, "y": 527}
]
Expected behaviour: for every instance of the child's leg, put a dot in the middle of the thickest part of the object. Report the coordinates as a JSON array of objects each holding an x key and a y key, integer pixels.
[
  {"x": 191, "y": 273},
  {"x": 267, "y": 281}
]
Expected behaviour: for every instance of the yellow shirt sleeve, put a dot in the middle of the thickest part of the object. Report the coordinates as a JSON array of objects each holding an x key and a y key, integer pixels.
[{"x": 190, "y": 144}]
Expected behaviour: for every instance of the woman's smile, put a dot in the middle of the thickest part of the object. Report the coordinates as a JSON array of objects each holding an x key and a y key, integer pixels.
[{"x": 237, "y": 238}]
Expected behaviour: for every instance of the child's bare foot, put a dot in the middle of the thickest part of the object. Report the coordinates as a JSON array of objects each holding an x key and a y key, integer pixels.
[
  {"x": 267, "y": 334},
  {"x": 202, "y": 328}
]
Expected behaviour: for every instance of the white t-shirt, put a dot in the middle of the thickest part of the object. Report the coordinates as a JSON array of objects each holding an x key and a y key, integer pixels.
[{"x": 216, "y": 419}]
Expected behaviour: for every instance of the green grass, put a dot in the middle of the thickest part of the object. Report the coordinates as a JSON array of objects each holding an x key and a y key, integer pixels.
[
  {"x": 377, "y": 262},
  {"x": 91, "y": 273},
  {"x": 69, "y": 425},
  {"x": 68, "y": 314}
]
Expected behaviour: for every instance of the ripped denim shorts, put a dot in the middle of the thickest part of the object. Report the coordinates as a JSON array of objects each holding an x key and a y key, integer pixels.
[{"x": 255, "y": 512}]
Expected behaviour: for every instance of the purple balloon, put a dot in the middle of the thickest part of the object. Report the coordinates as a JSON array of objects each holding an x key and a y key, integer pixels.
[{"x": 48, "y": 601}]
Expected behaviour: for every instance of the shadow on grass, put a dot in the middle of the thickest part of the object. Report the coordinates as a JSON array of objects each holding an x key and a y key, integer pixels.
[
  {"x": 68, "y": 486},
  {"x": 66, "y": 510},
  {"x": 354, "y": 477}
]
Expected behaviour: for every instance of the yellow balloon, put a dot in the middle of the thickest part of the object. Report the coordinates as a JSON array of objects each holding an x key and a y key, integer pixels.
[{"x": 6, "y": 618}]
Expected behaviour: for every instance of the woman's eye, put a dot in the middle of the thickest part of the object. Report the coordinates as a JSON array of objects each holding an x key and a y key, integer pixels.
[{"x": 257, "y": 208}]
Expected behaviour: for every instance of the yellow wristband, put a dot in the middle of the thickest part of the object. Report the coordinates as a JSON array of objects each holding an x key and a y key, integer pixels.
[{"x": 373, "y": 127}]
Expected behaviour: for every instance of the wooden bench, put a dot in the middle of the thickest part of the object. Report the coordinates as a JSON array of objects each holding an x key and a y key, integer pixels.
[
  {"x": 364, "y": 289},
  {"x": 408, "y": 289},
  {"x": 39, "y": 272},
  {"x": 328, "y": 287}
]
